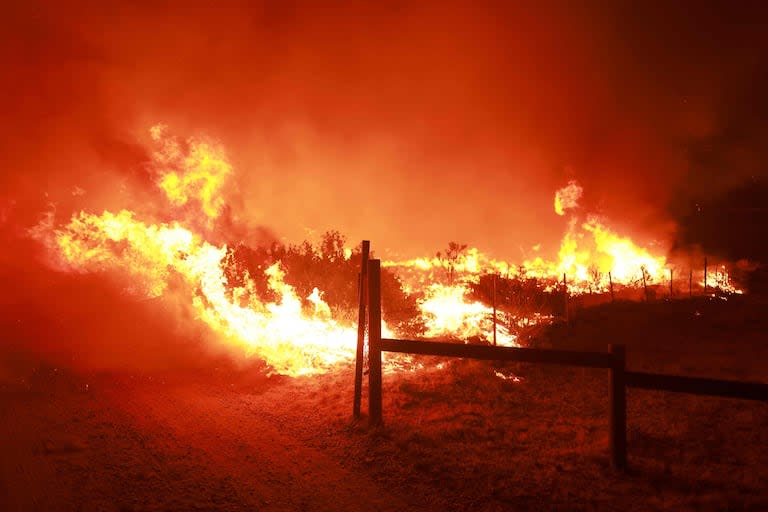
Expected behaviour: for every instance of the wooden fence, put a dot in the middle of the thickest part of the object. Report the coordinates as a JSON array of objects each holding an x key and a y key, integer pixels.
[{"x": 614, "y": 360}]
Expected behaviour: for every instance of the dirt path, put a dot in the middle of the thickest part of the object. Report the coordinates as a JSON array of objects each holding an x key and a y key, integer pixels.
[{"x": 128, "y": 445}]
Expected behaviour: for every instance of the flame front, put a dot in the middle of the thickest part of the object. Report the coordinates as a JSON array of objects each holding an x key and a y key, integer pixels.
[
  {"x": 291, "y": 340},
  {"x": 298, "y": 335},
  {"x": 590, "y": 251}
]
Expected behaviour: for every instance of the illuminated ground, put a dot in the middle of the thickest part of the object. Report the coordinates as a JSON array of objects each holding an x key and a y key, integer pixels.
[
  {"x": 456, "y": 438},
  {"x": 169, "y": 444}
]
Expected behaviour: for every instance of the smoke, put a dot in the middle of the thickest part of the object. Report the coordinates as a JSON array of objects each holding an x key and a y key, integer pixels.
[
  {"x": 455, "y": 119},
  {"x": 407, "y": 124}
]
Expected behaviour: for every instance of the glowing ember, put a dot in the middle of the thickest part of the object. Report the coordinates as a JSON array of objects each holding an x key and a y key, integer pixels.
[
  {"x": 511, "y": 377},
  {"x": 719, "y": 279}
]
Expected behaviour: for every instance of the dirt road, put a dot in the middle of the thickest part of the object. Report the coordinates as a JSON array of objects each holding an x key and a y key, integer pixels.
[{"x": 143, "y": 443}]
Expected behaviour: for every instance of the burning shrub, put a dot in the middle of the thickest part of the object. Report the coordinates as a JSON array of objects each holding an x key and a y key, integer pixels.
[{"x": 327, "y": 266}]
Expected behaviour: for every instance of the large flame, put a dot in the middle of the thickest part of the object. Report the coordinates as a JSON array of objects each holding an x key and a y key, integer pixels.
[
  {"x": 291, "y": 339},
  {"x": 299, "y": 335},
  {"x": 199, "y": 173},
  {"x": 591, "y": 256}
]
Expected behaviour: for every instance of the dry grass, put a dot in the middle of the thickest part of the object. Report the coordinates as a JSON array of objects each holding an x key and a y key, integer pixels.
[
  {"x": 480, "y": 442},
  {"x": 464, "y": 439},
  {"x": 456, "y": 437}
]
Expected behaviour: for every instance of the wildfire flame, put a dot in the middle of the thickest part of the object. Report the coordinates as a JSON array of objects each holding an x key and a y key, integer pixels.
[
  {"x": 470, "y": 263},
  {"x": 299, "y": 335},
  {"x": 591, "y": 258},
  {"x": 447, "y": 312},
  {"x": 199, "y": 173},
  {"x": 291, "y": 338},
  {"x": 590, "y": 251}
]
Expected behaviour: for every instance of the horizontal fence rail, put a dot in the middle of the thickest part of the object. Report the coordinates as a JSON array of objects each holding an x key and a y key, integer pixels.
[
  {"x": 614, "y": 360},
  {"x": 489, "y": 353},
  {"x": 698, "y": 385}
]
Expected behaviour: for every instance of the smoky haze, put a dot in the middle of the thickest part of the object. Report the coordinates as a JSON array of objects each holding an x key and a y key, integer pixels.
[{"x": 411, "y": 124}]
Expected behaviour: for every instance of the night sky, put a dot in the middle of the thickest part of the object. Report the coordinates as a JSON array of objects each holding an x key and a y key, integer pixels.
[{"x": 409, "y": 123}]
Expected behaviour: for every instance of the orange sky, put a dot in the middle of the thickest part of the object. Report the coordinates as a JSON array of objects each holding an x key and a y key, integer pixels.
[{"x": 411, "y": 123}]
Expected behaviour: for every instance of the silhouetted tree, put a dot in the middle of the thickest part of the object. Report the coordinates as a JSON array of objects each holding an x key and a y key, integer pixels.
[
  {"x": 332, "y": 246},
  {"x": 451, "y": 257}
]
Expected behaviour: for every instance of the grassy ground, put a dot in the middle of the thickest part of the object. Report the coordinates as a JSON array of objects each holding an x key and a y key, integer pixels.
[
  {"x": 456, "y": 435},
  {"x": 541, "y": 442}
]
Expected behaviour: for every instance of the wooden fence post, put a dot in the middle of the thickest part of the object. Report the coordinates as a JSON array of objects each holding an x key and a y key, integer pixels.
[
  {"x": 494, "y": 310},
  {"x": 645, "y": 285},
  {"x": 618, "y": 409},
  {"x": 671, "y": 289},
  {"x": 374, "y": 341},
  {"x": 565, "y": 299},
  {"x": 690, "y": 284},
  {"x": 610, "y": 284},
  {"x": 705, "y": 275},
  {"x": 363, "y": 297}
]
